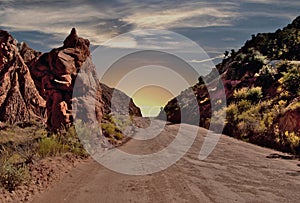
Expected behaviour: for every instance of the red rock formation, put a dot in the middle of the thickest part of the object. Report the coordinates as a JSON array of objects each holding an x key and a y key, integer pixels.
[
  {"x": 19, "y": 99},
  {"x": 55, "y": 75},
  {"x": 41, "y": 86}
]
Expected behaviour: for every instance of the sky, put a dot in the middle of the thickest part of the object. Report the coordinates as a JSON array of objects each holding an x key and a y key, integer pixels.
[{"x": 215, "y": 25}]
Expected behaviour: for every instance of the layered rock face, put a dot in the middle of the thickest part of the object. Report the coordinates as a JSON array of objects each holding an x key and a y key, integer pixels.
[
  {"x": 19, "y": 99},
  {"x": 55, "y": 73},
  {"x": 51, "y": 87}
]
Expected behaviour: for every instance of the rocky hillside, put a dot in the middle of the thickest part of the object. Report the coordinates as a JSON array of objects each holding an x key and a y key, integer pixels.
[
  {"x": 262, "y": 86},
  {"x": 39, "y": 86},
  {"x": 19, "y": 98},
  {"x": 119, "y": 103}
]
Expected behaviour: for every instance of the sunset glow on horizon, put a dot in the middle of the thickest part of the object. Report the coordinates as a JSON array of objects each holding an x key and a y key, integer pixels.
[{"x": 151, "y": 99}]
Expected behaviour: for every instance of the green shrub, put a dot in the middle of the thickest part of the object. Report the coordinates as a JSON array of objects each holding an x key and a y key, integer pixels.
[
  {"x": 29, "y": 143},
  {"x": 243, "y": 106},
  {"x": 253, "y": 94},
  {"x": 291, "y": 80},
  {"x": 259, "y": 58},
  {"x": 111, "y": 130},
  {"x": 118, "y": 136},
  {"x": 123, "y": 122},
  {"x": 231, "y": 116},
  {"x": 266, "y": 75},
  {"x": 108, "y": 128},
  {"x": 11, "y": 174},
  {"x": 248, "y": 119},
  {"x": 66, "y": 140},
  {"x": 292, "y": 140},
  {"x": 50, "y": 146},
  {"x": 70, "y": 138}
]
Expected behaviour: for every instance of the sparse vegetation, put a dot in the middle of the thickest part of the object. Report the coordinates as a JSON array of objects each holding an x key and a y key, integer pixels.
[
  {"x": 254, "y": 117},
  {"x": 24, "y": 146},
  {"x": 49, "y": 146},
  {"x": 66, "y": 140},
  {"x": 12, "y": 175},
  {"x": 112, "y": 128},
  {"x": 292, "y": 141},
  {"x": 262, "y": 86},
  {"x": 290, "y": 80},
  {"x": 13, "y": 169},
  {"x": 250, "y": 94}
]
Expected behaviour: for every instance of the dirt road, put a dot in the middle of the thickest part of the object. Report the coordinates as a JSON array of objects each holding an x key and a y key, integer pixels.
[{"x": 234, "y": 172}]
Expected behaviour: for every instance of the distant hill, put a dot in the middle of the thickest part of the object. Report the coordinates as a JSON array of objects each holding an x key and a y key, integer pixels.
[{"x": 262, "y": 86}]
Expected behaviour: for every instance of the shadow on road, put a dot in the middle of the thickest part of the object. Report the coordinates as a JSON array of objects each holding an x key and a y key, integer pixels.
[
  {"x": 280, "y": 156},
  {"x": 296, "y": 173}
]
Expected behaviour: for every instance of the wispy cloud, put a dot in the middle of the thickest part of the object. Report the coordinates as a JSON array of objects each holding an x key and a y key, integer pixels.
[
  {"x": 101, "y": 20},
  {"x": 280, "y": 2},
  {"x": 58, "y": 21},
  {"x": 209, "y": 59},
  {"x": 189, "y": 16}
]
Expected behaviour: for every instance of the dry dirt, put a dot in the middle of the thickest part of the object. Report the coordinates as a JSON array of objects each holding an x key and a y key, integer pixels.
[
  {"x": 43, "y": 173},
  {"x": 234, "y": 172}
]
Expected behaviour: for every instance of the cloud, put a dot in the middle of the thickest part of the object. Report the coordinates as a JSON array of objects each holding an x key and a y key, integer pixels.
[
  {"x": 101, "y": 20},
  {"x": 59, "y": 18},
  {"x": 279, "y": 2},
  {"x": 209, "y": 59},
  {"x": 189, "y": 15},
  {"x": 150, "y": 39},
  {"x": 122, "y": 42}
]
